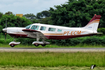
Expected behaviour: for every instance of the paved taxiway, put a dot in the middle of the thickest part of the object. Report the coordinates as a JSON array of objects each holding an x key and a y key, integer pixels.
[{"x": 52, "y": 49}]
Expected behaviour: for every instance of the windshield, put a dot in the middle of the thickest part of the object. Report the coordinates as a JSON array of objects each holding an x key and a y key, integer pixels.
[
  {"x": 35, "y": 27},
  {"x": 27, "y": 27}
]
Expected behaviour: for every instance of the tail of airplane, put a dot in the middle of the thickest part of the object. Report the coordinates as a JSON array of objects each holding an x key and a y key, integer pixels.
[{"x": 93, "y": 23}]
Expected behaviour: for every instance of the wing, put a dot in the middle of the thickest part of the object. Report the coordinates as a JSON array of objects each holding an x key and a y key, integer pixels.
[{"x": 34, "y": 33}]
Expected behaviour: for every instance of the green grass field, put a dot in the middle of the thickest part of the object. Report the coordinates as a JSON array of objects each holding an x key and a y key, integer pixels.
[
  {"x": 48, "y": 68},
  {"x": 52, "y": 59},
  {"x": 53, "y": 46}
]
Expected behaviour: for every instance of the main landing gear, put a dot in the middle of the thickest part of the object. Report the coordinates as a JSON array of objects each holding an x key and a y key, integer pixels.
[{"x": 37, "y": 43}]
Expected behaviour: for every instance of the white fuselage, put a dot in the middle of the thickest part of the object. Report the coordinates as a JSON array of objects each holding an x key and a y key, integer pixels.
[{"x": 50, "y": 31}]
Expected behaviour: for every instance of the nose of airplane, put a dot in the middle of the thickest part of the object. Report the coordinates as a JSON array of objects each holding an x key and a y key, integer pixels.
[{"x": 5, "y": 29}]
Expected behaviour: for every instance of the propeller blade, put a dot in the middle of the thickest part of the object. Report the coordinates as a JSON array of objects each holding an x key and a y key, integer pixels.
[
  {"x": 6, "y": 29},
  {"x": 5, "y": 36},
  {"x": 6, "y": 23}
]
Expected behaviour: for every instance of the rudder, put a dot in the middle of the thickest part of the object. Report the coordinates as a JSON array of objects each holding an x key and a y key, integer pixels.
[{"x": 93, "y": 23}]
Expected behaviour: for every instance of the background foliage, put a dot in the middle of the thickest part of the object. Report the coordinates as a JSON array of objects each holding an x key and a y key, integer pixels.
[{"x": 78, "y": 13}]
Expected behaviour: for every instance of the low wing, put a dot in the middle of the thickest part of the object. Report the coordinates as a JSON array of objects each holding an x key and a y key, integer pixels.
[{"x": 34, "y": 33}]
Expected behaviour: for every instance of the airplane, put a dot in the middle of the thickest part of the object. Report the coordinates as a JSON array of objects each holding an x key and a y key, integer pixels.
[{"x": 44, "y": 31}]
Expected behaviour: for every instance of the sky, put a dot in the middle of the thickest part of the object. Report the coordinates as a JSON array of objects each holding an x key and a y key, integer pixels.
[{"x": 28, "y": 6}]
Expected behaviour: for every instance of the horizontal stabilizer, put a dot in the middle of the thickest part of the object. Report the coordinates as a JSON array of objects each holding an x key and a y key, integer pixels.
[{"x": 99, "y": 33}]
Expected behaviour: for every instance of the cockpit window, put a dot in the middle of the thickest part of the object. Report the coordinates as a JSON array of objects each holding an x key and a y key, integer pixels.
[
  {"x": 35, "y": 27},
  {"x": 43, "y": 28},
  {"x": 27, "y": 27},
  {"x": 51, "y": 29}
]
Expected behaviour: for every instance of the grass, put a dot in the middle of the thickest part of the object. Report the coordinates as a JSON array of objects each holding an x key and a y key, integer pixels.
[
  {"x": 55, "y": 46},
  {"x": 47, "y": 68},
  {"x": 52, "y": 59}
]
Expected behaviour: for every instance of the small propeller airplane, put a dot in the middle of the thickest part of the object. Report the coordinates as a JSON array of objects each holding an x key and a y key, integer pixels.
[{"x": 44, "y": 31}]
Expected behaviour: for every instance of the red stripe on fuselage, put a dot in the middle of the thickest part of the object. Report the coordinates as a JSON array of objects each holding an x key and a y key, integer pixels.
[
  {"x": 51, "y": 37},
  {"x": 18, "y": 35},
  {"x": 69, "y": 36},
  {"x": 30, "y": 30}
]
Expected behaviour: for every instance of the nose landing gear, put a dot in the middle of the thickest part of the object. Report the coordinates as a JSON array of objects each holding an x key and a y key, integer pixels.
[{"x": 13, "y": 43}]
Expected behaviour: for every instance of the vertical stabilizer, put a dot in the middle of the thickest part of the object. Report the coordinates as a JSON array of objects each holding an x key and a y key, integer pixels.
[{"x": 93, "y": 23}]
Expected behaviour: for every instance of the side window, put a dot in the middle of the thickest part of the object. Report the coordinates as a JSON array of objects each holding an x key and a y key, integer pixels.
[
  {"x": 34, "y": 27},
  {"x": 59, "y": 30},
  {"x": 51, "y": 29},
  {"x": 43, "y": 28}
]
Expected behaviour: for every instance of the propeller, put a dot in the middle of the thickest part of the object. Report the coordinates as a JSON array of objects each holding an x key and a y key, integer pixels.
[
  {"x": 5, "y": 29},
  {"x": 5, "y": 36}
]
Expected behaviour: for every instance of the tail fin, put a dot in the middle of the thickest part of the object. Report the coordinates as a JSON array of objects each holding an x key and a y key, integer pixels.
[{"x": 93, "y": 23}]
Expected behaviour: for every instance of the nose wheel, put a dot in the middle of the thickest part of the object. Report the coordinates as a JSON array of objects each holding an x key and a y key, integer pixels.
[{"x": 12, "y": 44}]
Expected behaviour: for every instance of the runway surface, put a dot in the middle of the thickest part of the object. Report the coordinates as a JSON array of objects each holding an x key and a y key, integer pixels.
[{"x": 52, "y": 49}]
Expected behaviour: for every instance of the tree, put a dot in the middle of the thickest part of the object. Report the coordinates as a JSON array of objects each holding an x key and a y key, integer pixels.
[
  {"x": 72, "y": 0},
  {"x": 77, "y": 13},
  {"x": 8, "y": 13},
  {"x": 30, "y": 16},
  {"x": 46, "y": 20},
  {"x": 14, "y": 21},
  {"x": 1, "y": 14},
  {"x": 43, "y": 14},
  {"x": 39, "y": 16}
]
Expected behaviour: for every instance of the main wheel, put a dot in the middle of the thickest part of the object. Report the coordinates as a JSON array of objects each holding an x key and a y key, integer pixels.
[{"x": 36, "y": 45}]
